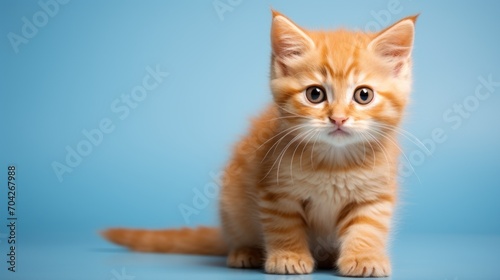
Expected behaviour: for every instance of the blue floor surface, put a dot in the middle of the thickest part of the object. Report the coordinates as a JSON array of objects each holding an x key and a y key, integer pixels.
[{"x": 414, "y": 257}]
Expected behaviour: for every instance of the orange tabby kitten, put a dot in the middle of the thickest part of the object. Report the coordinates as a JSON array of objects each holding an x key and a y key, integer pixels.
[{"x": 314, "y": 181}]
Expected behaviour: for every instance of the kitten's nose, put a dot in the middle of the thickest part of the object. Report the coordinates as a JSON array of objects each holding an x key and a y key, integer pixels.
[{"x": 338, "y": 120}]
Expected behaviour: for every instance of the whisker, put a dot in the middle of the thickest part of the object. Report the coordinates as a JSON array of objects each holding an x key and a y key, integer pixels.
[
  {"x": 278, "y": 134},
  {"x": 314, "y": 144},
  {"x": 282, "y": 154},
  {"x": 294, "y": 151},
  {"x": 288, "y": 111},
  {"x": 412, "y": 138},
  {"x": 376, "y": 141},
  {"x": 307, "y": 143},
  {"x": 371, "y": 147},
  {"x": 402, "y": 152},
  {"x": 275, "y": 145}
]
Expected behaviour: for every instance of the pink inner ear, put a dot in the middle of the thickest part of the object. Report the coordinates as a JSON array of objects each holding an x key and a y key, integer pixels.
[
  {"x": 283, "y": 68},
  {"x": 396, "y": 52},
  {"x": 288, "y": 45},
  {"x": 397, "y": 68},
  {"x": 288, "y": 51},
  {"x": 288, "y": 40},
  {"x": 394, "y": 45}
]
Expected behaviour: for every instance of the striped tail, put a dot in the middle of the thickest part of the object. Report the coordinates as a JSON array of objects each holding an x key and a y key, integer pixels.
[{"x": 199, "y": 241}]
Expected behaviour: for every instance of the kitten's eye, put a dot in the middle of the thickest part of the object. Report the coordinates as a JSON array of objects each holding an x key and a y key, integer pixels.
[
  {"x": 363, "y": 95},
  {"x": 315, "y": 94}
]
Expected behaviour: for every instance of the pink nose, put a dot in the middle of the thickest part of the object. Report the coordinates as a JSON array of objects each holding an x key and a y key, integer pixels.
[{"x": 338, "y": 120}]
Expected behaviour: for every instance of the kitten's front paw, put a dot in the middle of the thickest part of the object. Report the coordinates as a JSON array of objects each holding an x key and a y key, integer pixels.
[
  {"x": 289, "y": 263},
  {"x": 364, "y": 264},
  {"x": 245, "y": 258}
]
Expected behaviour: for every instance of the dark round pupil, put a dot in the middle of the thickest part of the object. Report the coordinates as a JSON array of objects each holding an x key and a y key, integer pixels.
[
  {"x": 315, "y": 94},
  {"x": 363, "y": 94}
]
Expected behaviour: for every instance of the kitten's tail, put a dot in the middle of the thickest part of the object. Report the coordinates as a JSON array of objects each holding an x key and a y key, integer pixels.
[{"x": 199, "y": 241}]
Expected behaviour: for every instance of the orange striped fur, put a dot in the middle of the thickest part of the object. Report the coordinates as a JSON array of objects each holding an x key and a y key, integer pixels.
[{"x": 295, "y": 193}]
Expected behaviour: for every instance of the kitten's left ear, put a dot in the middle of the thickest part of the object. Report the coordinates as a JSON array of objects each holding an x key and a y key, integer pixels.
[{"x": 394, "y": 44}]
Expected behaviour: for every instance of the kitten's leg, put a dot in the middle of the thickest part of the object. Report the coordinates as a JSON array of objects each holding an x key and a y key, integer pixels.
[
  {"x": 363, "y": 229},
  {"x": 287, "y": 249},
  {"x": 245, "y": 257},
  {"x": 240, "y": 226}
]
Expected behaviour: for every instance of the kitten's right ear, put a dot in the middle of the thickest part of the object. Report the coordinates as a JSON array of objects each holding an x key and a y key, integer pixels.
[{"x": 288, "y": 40}]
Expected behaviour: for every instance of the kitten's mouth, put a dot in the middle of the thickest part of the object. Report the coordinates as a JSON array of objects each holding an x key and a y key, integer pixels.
[{"x": 338, "y": 132}]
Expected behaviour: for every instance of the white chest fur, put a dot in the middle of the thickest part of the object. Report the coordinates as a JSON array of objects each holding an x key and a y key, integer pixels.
[{"x": 326, "y": 194}]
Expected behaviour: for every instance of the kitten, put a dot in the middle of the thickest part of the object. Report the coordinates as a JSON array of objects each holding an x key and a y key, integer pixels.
[{"x": 314, "y": 180}]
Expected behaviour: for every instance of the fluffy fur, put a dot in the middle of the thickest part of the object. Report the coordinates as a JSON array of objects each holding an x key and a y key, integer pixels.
[{"x": 311, "y": 183}]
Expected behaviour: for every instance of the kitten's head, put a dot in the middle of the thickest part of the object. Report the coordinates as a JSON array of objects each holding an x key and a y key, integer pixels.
[{"x": 341, "y": 87}]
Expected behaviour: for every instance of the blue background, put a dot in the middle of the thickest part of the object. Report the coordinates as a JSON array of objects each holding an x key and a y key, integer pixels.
[{"x": 175, "y": 143}]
